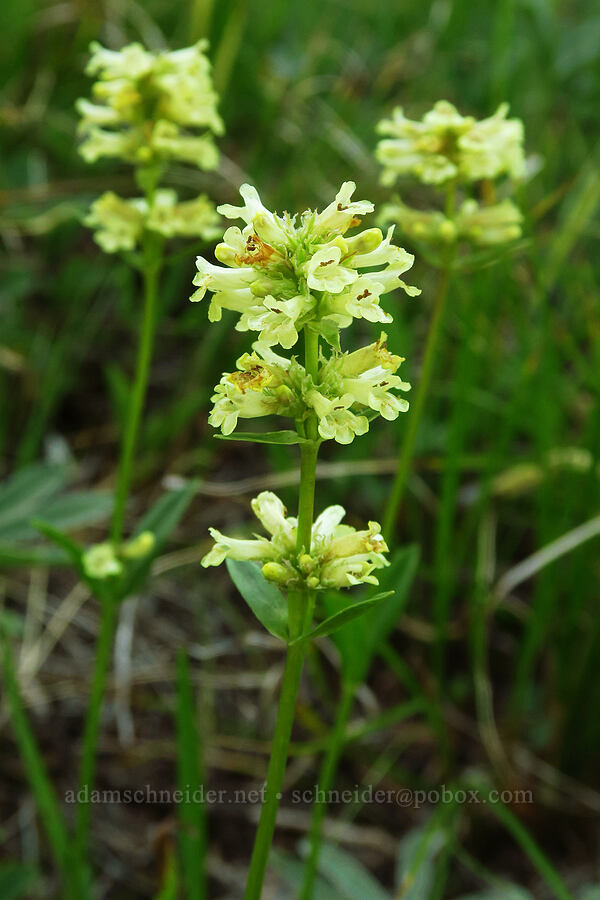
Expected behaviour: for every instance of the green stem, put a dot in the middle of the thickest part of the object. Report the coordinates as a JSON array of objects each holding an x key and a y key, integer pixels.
[
  {"x": 417, "y": 406},
  {"x": 326, "y": 779},
  {"x": 301, "y": 605},
  {"x": 192, "y": 815},
  {"x": 152, "y": 258},
  {"x": 279, "y": 752},
  {"x": 108, "y": 621},
  {"x": 41, "y": 786}
]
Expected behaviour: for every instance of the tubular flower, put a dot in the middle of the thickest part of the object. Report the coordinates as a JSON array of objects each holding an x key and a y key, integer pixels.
[
  {"x": 281, "y": 273},
  {"x": 119, "y": 223},
  {"x": 265, "y": 384},
  {"x": 338, "y": 556},
  {"x": 353, "y": 383},
  {"x": 447, "y": 146},
  {"x": 150, "y": 107},
  {"x": 495, "y": 224}
]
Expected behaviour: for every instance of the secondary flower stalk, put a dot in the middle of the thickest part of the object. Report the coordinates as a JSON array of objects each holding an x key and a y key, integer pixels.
[
  {"x": 471, "y": 165},
  {"x": 147, "y": 110}
]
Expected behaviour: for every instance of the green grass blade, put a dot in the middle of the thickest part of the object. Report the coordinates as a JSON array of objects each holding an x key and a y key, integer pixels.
[
  {"x": 41, "y": 786},
  {"x": 191, "y": 812}
]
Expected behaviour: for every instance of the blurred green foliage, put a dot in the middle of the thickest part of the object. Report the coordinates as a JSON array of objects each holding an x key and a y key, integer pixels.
[{"x": 518, "y": 377}]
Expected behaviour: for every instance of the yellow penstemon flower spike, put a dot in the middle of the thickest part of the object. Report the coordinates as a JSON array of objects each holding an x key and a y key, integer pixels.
[
  {"x": 470, "y": 167},
  {"x": 297, "y": 282},
  {"x": 450, "y": 152},
  {"x": 147, "y": 110},
  {"x": 150, "y": 109}
]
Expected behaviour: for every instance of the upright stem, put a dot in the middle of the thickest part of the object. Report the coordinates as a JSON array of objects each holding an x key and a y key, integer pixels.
[
  {"x": 151, "y": 266},
  {"x": 301, "y": 605},
  {"x": 406, "y": 454},
  {"x": 279, "y": 751},
  {"x": 416, "y": 411},
  {"x": 87, "y": 767},
  {"x": 152, "y": 259},
  {"x": 326, "y": 779}
]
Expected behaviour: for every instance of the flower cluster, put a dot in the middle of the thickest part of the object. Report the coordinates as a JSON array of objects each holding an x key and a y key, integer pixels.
[
  {"x": 106, "y": 560},
  {"x": 119, "y": 223},
  {"x": 149, "y": 109},
  {"x": 150, "y": 106},
  {"x": 338, "y": 556},
  {"x": 447, "y": 150},
  {"x": 281, "y": 275},
  {"x": 474, "y": 222},
  {"x": 350, "y": 387}
]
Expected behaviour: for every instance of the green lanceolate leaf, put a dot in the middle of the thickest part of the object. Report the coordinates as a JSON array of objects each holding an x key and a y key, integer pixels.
[
  {"x": 358, "y": 642},
  {"x": 342, "y": 617},
  {"x": 24, "y": 494},
  {"x": 161, "y": 520},
  {"x": 37, "y": 492},
  {"x": 73, "y": 550},
  {"x": 417, "y": 860},
  {"x": 13, "y": 555},
  {"x": 348, "y": 876},
  {"x": 264, "y": 599},
  {"x": 267, "y": 437},
  {"x": 397, "y": 579}
]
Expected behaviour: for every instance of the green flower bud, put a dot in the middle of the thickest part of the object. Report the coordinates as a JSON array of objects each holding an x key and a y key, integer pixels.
[
  {"x": 274, "y": 571},
  {"x": 100, "y": 561},
  {"x": 139, "y": 546},
  {"x": 306, "y": 563}
]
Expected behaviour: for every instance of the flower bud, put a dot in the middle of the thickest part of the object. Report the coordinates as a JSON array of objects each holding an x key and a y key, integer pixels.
[
  {"x": 274, "y": 571},
  {"x": 100, "y": 561},
  {"x": 306, "y": 563},
  {"x": 138, "y": 547}
]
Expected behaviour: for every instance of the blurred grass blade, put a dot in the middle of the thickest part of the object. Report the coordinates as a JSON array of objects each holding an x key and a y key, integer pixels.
[
  {"x": 350, "y": 879},
  {"x": 292, "y": 872},
  {"x": 17, "y": 881},
  {"x": 548, "y": 554},
  {"x": 41, "y": 786},
  {"x": 229, "y": 45},
  {"x": 161, "y": 520},
  {"x": 537, "y": 858},
  {"x": 359, "y": 641},
  {"x": 581, "y": 210},
  {"x": 190, "y": 778}
]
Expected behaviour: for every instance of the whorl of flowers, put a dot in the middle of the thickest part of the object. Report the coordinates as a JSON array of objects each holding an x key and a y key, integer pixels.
[
  {"x": 449, "y": 151},
  {"x": 282, "y": 274},
  {"x": 339, "y": 556},
  {"x": 150, "y": 109}
]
